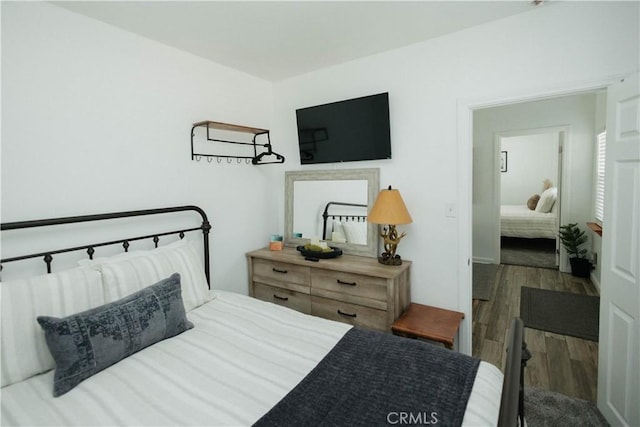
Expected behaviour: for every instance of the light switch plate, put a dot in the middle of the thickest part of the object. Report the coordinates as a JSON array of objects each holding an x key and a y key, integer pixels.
[{"x": 451, "y": 210}]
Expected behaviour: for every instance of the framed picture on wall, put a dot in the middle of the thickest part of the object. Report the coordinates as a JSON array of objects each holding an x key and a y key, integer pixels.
[{"x": 503, "y": 161}]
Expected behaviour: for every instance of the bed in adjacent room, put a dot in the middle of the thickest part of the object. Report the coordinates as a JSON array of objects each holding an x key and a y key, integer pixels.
[
  {"x": 140, "y": 338},
  {"x": 534, "y": 220}
]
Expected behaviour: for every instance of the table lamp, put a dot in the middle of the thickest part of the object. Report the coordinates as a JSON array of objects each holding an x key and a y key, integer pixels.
[{"x": 390, "y": 209}]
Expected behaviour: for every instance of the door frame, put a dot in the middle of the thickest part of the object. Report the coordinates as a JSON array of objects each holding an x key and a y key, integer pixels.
[
  {"x": 564, "y": 135},
  {"x": 465, "y": 109}
]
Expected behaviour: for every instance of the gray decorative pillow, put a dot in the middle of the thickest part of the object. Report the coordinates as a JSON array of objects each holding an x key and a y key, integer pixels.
[{"x": 83, "y": 344}]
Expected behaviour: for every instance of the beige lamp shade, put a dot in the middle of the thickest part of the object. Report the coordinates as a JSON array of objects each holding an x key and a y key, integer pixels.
[{"x": 389, "y": 208}]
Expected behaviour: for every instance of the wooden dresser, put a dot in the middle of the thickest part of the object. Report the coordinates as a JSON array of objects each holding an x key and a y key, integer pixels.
[{"x": 351, "y": 289}]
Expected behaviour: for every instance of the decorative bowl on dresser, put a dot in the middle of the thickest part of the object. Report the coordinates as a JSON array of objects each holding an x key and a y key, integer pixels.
[{"x": 351, "y": 289}]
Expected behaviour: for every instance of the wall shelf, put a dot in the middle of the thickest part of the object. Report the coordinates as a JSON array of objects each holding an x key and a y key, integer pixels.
[
  {"x": 262, "y": 152},
  {"x": 595, "y": 227}
]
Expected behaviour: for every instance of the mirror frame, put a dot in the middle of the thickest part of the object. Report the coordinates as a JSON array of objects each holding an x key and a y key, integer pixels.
[{"x": 371, "y": 175}]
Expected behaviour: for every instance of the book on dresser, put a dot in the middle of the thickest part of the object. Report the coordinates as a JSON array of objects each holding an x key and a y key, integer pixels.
[{"x": 351, "y": 289}]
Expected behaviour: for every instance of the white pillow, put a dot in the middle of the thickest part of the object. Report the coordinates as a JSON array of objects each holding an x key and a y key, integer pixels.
[
  {"x": 24, "y": 350},
  {"x": 336, "y": 233},
  {"x": 338, "y": 228},
  {"x": 547, "y": 199},
  {"x": 356, "y": 232},
  {"x": 127, "y": 273}
]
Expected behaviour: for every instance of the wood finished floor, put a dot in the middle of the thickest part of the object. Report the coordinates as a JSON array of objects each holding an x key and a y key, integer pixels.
[{"x": 560, "y": 363}]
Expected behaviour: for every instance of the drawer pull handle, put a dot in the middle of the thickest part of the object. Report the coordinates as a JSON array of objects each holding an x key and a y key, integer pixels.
[
  {"x": 281, "y": 298},
  {"x": 342, "y": 313},
  {"x": 346, "y": 283},
  {"x": 279, "y": 271}
]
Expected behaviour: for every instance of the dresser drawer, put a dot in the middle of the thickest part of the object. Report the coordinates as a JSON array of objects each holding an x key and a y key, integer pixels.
[
  {"x": 354, "y": 288},
  {"x": 282, "y": 274},
  {"x": 349, "y": 313},
  {"x": 291, "y": 299}
]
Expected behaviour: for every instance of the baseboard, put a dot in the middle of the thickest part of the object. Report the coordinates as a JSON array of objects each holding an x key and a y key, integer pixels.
[{"x": 480, "y": 260}]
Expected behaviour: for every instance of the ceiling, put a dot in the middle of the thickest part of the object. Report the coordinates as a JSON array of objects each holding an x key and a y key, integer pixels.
[{"x": 277, "y": 40}]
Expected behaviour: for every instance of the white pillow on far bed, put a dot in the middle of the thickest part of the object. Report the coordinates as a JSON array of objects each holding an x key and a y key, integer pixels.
[
  {"x": 129, "y": 272},
  {"x": 547, "y": 200},
  {"x": 24, "y": 350}
]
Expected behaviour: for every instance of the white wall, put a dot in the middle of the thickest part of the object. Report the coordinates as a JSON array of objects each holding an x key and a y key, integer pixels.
[
  {"x": 96, "y": 119},
  {"x": 549, "y": 49},
  {"x": 531, "y": 159},
  {"x": 576, "y": 113}
]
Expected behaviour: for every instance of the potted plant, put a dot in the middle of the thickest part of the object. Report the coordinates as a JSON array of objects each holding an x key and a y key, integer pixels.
[{"x": 572, "y": 238}]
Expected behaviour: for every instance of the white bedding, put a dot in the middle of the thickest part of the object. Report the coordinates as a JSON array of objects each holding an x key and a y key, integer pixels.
[
  {"x": 520, "y": 221},
  {"x": 240, "y": 359}
]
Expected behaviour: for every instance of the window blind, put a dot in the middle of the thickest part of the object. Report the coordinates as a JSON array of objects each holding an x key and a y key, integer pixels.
[{"x": 601, "y": 150}]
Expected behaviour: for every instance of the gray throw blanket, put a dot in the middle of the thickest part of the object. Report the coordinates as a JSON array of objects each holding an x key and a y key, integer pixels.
[{"x": 370, "y": 378}]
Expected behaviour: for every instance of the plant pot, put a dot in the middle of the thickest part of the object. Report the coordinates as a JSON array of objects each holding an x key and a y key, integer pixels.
[{"x": 580, "y": 267}]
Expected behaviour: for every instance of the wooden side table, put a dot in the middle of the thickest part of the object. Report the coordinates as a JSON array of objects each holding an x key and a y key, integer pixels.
[{"x": 432, "y": 323}]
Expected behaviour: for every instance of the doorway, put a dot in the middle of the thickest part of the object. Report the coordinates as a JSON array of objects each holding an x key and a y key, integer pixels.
[
  {"x": 572, "y": 121},
  {"x": 575, "y": 118},
  {"x": 529, "y": 187},
  {"x": 618, "y": 376}
]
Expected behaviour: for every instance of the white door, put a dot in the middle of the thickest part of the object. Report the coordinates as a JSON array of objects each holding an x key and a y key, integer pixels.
[{"x": 619, "y": 348}]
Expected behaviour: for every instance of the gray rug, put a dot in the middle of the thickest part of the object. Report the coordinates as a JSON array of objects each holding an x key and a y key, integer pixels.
[
  {"x": 560, "y": 312},
  {"x": 543, "y": 408},
  {"x": 529, "y": 252},
  {"x": 484, "y": 277}
]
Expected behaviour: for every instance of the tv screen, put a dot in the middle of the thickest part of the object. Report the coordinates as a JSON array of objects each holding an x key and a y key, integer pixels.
[{"x": 345, "y": 131}]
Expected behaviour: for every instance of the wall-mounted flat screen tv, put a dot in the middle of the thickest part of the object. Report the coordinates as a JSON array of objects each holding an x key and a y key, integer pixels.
[{"x": 345, "y": 131}]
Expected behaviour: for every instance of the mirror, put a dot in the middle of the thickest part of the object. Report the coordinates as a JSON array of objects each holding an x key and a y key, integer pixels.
[{"x": 352, "y": 191}]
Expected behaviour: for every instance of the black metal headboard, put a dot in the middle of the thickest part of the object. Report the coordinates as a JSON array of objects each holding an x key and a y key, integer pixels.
[
  {"x": 348, "y": 217},
  {"x": 47, "y": 256}
]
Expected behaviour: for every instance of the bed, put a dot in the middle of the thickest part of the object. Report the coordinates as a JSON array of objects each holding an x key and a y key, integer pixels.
[
  {"x": 348, "y": 225},
  {"x": 520, "y": 221},
  {"x": 538, "y": 219},
  {"x": 218, "y": 358}
]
